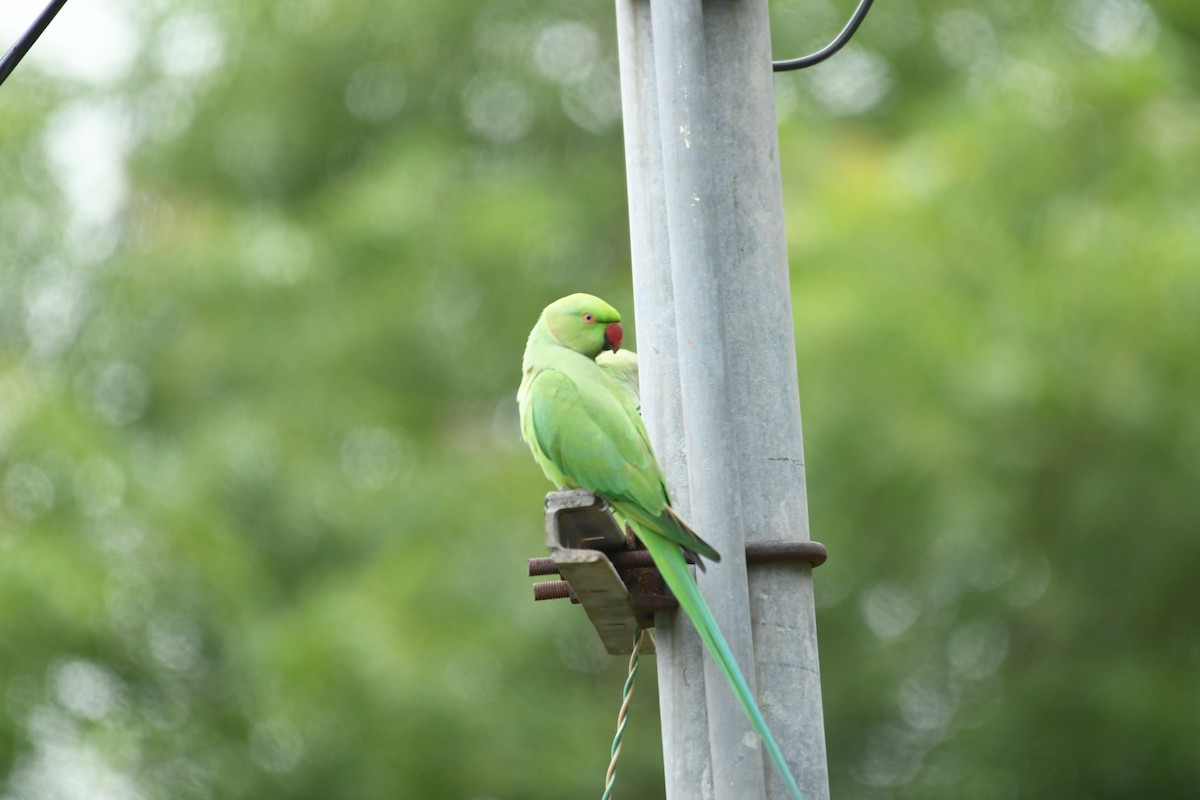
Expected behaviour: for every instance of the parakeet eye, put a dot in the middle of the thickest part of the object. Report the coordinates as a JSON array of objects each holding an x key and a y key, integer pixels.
[{"x": 589, "y": 318}]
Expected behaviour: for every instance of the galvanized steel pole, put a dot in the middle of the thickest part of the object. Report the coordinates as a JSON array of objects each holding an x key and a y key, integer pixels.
[
  {"x": 678, "y": 648},
  {"x": 718, "y": 375}
]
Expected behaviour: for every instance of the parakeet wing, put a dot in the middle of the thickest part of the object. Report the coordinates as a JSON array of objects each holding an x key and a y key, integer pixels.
[
  {"x": 592, "y": 439},
  {"x": 588, "y": 437}
]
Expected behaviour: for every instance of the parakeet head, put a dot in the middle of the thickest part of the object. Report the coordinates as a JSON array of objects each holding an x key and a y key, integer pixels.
[{"x": 584, "y": 323}]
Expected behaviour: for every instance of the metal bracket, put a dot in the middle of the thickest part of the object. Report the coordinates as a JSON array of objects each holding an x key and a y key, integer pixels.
[
  {"x": 605, "y": 570},
  {"x": 579, "y": 529}
]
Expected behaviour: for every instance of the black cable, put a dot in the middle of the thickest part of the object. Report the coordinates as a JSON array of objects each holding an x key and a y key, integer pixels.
[
  {"x": 18, "y": 50},
  {"x": 856, "y": 19}
]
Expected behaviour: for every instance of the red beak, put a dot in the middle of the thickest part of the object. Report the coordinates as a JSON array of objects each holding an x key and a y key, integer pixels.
[{"x": 613, "y": 335}]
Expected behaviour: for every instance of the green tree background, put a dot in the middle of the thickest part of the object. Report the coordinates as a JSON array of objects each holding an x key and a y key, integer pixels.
[{"x": 266, "y": 275}]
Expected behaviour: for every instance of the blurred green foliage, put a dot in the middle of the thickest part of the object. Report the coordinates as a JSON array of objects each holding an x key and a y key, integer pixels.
[{"x": 264, "y": 288}]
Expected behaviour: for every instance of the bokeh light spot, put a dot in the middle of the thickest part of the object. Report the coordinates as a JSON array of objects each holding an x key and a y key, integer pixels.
[
  {"x": 99, "y": 485},
  {"x": 190, "y": 45},
  {"x": 372, "y": 457},
  {"x": 1117, "y": 28},
  {"x": 28, "y": 491},
  {"x": 565, "y": 52},
  {"x": 120, "y": 393},
  {"x": 859, "y": 82},
  {"x": 376, "y": 92},
  {"x": 965, "y": 38},
  {"x": 889, "y": 611},
  {"x": 977, "y": 649},
  {"x": 55, "y": 305},
  {"x": 497, "y": 109},
  {"x": 86, "y": 689}
]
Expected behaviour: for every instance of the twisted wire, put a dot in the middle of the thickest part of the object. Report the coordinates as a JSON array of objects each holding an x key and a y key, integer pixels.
[{"x": 610, "y": 777}]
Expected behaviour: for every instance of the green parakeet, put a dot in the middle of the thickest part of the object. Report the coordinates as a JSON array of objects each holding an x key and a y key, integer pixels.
[
  {"x": 581, "y": 422},
  {"x": 622, "y": 367}
]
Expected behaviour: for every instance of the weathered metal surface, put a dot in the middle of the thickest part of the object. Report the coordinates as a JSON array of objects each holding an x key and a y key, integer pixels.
[
  {"x": 718, "y": 380},
  {"x": 576, "y": 518},
  {"x": 602, "y": 594},
  {"x": 579, "y": 528}
]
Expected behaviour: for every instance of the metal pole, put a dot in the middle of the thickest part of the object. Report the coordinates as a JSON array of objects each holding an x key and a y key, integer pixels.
[
  {"x": 752, "y": 269},
  {"x": 678, "y": 648},
  {"x": 686, "y": 122},
  {"x": 709, "y": 204}
]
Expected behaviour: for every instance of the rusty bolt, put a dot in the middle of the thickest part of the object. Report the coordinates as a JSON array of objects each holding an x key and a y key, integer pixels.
[{"x": 551, "y": 590}]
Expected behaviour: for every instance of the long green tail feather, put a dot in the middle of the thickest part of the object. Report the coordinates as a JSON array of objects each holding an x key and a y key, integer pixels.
[{"x": 673, "y": 566}]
